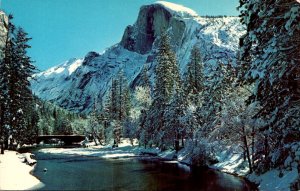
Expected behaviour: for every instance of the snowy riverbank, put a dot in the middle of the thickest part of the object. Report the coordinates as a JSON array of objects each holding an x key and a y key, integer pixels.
[
  {"x": 273, "y": 180},
  {"x": 228, "y": 162},
  {"x": 14, "y": 174}
]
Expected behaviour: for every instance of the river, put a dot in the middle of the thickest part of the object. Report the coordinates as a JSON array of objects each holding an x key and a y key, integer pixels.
[{"x": 75, "y": 172}]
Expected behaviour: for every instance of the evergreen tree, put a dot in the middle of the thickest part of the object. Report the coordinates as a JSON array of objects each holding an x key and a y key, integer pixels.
[
  {"x": 5, "y": 69},
  {"x": 118, "y": 104},
  {"x": 21, "y": 106},
  {"x": 124, "y": 98},
  {"x": 194, "y": 82},
  {"x": 175, "y": 124},
  {"x": 167, "y": 79},
  {"x": 270, "y": 58},
  {"x": 15, "y": 97},
  {"x": 167, "y": 72},
  {"x": 112, "y": 102},
  {"x": 117, "y": 129}
]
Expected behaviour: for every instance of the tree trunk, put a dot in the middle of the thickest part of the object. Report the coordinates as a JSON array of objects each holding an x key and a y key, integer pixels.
[
  {"x": 253, "y": 139},
  {"x": 176, "y": 143},
  {"x": 95, "y": 139},
  {"x": 6, "y": 143},
  {"x": 2, "y": 148},
  {"x": 247, "y": 153}
]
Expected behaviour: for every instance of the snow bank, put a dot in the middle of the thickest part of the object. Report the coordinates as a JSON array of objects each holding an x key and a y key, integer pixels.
[
  {"x": 276, "y": 179},
  {"x": 15, "y": 175},
  {"x": 124, "y": 149},
  {"x": 28, "y": 159},
  {"x": 232, "y": 163},
  {"x": 272, "y": 180}
]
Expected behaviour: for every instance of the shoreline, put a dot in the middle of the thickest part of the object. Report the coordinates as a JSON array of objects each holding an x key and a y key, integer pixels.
[
  {"x": 128, "y": 151},
  {"x": 15, "y": 174},
  {"x": 228, "y": 163}
]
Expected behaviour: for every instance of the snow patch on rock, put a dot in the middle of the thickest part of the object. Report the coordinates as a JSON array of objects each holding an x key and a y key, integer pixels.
[
  {"x": 74, "y": 66},
  {"x": 178, "y": 9}
]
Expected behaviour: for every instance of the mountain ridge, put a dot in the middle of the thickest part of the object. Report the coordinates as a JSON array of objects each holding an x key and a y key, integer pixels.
[{"x": 90, "y": 78}]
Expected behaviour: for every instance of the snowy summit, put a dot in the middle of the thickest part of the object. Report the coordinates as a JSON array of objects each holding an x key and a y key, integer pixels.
[{"x": 176, "y": 9}]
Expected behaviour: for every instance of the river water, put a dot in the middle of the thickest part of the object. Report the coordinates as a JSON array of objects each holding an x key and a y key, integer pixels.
[{"x": 73, "y": 172}]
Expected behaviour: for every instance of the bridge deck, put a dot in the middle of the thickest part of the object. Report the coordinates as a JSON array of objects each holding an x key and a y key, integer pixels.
[{"x": 68, "y": 139}]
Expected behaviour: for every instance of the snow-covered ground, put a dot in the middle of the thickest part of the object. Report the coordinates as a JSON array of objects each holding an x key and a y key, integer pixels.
[
  {"x": 271, "y": 180},
  {"x": 15, "y": 174}
]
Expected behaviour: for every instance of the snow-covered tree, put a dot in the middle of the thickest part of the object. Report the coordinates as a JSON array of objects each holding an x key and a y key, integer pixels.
[
  {"x": 167, "y": 79},
  {"x": 117, "y": 130},
  {"x": 119, "y": 101},
  {"x": 123, "y": 97},
  {"x": 218, "y": 85},
  {"x": 194, "y": 81},
  {"x": 270, "y": 58},
  {"x": 118, "y": 106},
  {"x": 22, "y": 106},
  {"x": 142, "y": 102},
  {"x": 167, "y": 72},
  {"x": 145, "y": 81},
  {"x": 237, "y": 126},
  {"x": 5, "y": 68},
  {"x": 17, "y": 108},
  {"x": 112, "y": 101},
  {"x": 174, "y": 116},
  {"x": 95, "y": 129}
]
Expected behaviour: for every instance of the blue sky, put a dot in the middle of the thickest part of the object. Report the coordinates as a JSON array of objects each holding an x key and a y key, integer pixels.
[{"x": 64, "y": 29}]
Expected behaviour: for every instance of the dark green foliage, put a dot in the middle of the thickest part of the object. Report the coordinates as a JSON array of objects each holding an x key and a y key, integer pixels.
[
  {"x": 194, "y": 80},
  {"x": 167, "y": 80},
  {"x": 270, "y": 59},
  {"x": 118, "y": 105},
  {"x": 18, "y": 111}
]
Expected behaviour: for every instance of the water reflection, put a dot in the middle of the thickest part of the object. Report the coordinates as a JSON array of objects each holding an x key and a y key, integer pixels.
[{"x": 65, "y": 172}]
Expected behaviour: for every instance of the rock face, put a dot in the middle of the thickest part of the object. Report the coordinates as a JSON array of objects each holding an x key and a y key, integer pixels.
[
  {"x": 3, "y": 31},
  {"x": 152, "y": 21},
  {"x": 78, "y": 83}
]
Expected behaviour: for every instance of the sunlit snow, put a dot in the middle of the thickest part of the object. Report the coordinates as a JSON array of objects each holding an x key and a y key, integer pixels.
[
  {"x": 178, "y": 9},
  {"x": 74, "y": 66},
  {"x": 15, "y": 175}
]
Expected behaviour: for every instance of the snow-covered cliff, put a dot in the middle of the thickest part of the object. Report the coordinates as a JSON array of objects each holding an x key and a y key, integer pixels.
[
  {"x": 3, "y": 31},
  {"x": 77, "y": 83}
]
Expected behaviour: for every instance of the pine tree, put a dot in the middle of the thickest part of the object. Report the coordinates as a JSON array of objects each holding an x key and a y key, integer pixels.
[
  {"x": 112, "y": 102},
  {"x": 118, "y": 104},
  {"x": 194, "y": 82},
  {"x": 175, "y": 113},
  {"x": 167, "y": 80},
  {"x": 123, "y": 97},
  {"x": 117, "y": 132},
  {"x": 22, "y": 106},
  {"x": 270, "y": 58},
  {"x": 5, "y": 69},
  {"x": 141, "y": 104},
  {"x": 167, "y": 73},
  {"x": 15, "y": 97}
]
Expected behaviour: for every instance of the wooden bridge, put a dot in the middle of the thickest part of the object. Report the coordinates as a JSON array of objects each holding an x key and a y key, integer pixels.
[{"x": 67, "y": 139}]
